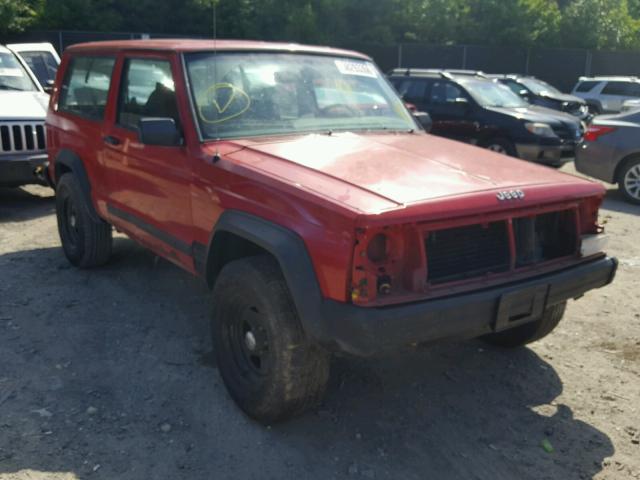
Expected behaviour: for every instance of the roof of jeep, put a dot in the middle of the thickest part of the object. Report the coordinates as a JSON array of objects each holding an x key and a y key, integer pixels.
[{"x": 190, "y": 45}]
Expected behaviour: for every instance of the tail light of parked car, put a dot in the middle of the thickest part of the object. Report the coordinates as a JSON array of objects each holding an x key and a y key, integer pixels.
[
  {"x": 594, "y": 132},
  {"x": 393, "y": 264}
]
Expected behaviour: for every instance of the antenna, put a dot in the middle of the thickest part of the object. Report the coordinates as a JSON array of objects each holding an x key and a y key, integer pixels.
[{"x": 216, "y": 156}]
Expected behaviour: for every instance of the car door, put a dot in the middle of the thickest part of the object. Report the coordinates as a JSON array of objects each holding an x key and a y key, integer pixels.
[
  {"x": 451, "y": 110},
  {"x": 613, "y": 95},
  {"x": 149, "y": 185}
]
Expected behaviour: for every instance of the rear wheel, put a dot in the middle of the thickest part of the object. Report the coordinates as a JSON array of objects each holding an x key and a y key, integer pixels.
[
  {"x": 271, "y": 369},
  {"x": 529, "y": 332},
  {"x": 85, "y": 241},
  {"x": 629, "y": 181},
  {"x": 501, "y": 145}
]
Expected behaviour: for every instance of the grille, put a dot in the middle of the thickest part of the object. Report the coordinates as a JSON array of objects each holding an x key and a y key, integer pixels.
[
  {"x": 467, "y": 252},
  {"x": 22, "y": 137},
  {"x": 545, "y": 237}
]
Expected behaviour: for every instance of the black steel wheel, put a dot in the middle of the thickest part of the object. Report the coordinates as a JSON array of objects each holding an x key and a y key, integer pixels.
[{"x": 269, "y": 366}]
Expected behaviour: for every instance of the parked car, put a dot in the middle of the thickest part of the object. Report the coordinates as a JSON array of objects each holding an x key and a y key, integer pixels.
[
  {"x": 470, "y": 107},
  {"x": 607, "y": 94},
  {"x": 41, "y": 58},
  {"x": 321, "y": 227},
  {"x": 539, "y": 92},
  {"x": 611, "y": 152},
  {"x": 23, "y": 108},
  {"x": 629, "y": 105}
]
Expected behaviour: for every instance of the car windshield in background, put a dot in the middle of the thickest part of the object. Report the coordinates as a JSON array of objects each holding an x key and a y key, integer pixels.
[
  {"x": 254, "y": 94},
  {"x": 42, "y": 64},
  {"x": 538, "y": 87},
  {"x": 12, "y": 75},
  {"x": 490, "y": 94}
]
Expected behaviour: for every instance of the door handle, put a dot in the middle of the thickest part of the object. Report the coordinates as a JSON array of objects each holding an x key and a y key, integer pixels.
[{"x": 111, "y": 140}]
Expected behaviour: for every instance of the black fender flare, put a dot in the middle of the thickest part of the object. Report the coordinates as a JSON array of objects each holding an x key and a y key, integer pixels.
[
  {"x": 288, "y": 248},
  {"x": 68, "y": 160}
]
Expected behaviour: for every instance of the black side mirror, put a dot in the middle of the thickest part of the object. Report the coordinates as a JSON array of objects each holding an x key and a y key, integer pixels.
[
  {"x": 162, "y": 132},
  {"x": 424, "y": 119},
  {"x": 48, "y": 86}
]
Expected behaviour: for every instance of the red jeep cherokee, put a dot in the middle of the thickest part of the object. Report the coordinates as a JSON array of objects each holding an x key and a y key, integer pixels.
[{"x": 294, "y": 180}]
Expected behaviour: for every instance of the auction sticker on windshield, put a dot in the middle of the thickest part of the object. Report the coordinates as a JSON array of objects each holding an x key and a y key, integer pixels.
[{"x": 363, "y": 69}]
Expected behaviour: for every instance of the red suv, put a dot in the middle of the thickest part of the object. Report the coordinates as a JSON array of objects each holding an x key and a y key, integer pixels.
[{"x": 296, "y": 183}]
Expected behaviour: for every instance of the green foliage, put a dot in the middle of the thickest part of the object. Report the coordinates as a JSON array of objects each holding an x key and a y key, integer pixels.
[
  {"x": 605, "y": 24},
  {"x": 601, "y": 24},
  {"x": 16, "y": 15}
]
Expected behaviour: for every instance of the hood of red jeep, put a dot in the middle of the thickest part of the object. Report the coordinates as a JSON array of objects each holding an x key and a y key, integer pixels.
[{"x": 377, "y": 172}]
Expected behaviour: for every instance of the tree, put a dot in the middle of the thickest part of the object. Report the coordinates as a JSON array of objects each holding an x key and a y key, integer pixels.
[
  {"x": 600, "y": 24},
  {"x": 17, "y": 15}
]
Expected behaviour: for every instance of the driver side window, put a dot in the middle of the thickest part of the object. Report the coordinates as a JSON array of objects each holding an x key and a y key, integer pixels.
[
  {"x": 147, "y": 90},
  {"x": 445, "y": 92}
]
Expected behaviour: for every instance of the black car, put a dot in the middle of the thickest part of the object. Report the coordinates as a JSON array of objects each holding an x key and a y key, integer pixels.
[
  {"x": 539, "y": 92},
  {"x": 470, "y": 107}
]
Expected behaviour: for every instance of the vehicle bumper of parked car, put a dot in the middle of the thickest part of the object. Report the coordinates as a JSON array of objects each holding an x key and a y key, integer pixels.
[
  {"x": 547, "y": 154},
  {"x": 16, "y": 170},
  {"x": 366, "y": 331}
]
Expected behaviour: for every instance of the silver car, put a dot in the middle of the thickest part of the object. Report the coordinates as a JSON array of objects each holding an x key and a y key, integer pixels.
[
  {"x": 607, "y": 94},
  {"x": 610, "y": 151}
]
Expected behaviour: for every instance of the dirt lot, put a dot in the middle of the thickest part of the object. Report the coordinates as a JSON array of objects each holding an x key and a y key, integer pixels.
[{"x": 108, "y": 374}]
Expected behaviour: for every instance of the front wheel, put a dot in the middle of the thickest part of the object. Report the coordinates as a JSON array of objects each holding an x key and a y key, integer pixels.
[
  {"x": 529, "y": 332},
  {"x": 269, "y": 366},
  {"x": 500, "y": 145},
  {"x": 629, "y": 181}
]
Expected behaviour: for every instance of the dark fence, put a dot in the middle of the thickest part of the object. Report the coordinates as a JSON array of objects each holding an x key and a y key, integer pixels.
[{"x": 560, "y": 67}]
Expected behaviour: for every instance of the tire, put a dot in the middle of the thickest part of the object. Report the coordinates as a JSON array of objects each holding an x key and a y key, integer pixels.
[
  {"x": 270, "y": 368},
  {"x": 500, "y": 145},
  {"x": 86, "y": 243},
  {"x": 629, "y": 181},
  {"x": 529, "y": 332}
]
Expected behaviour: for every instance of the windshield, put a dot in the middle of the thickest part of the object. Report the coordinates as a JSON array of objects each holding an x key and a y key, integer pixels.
[
  {"x": 539, "y": 87},
  {"x": 43, "y": 65},
  {"x": 491, "y": 94},
  {"x": 12, "y": 74},
  {"x": 253, "y": 94}
]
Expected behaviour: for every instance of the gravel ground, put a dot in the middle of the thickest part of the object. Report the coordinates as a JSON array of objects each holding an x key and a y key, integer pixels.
[{"x": 109, "y": 374}]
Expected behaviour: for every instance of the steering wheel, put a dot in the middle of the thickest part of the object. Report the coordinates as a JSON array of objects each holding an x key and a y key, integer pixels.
[{"x": 339, "y": 110}]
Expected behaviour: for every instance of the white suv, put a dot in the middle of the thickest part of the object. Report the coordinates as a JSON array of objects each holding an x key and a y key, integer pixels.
[
  {"x": 607, "y": 94},
  {"x": 23, "y": 108}
]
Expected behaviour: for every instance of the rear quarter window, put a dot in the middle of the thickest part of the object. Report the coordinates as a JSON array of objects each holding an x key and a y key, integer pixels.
[
  {"x": 86, "y": 85},
  {"x": 615, "y": 88},
  {"x": 584, "y": 87}
]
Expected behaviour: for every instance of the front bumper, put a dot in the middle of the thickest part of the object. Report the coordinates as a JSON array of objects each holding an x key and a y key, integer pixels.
[
  {"x": 17, "y": 170},
  {"x": 555, "y": 155},
  {"x": 366, "y": 331}
]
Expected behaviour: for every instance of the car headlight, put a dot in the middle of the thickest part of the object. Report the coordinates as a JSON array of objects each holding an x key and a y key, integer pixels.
[{"x": 540, "y": 129}]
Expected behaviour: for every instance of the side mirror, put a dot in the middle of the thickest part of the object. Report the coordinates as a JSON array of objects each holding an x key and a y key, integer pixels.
[
  {"x": 162, "y": 132},
  {"x": 461, "y": 101},
  {"x": 411, "y": 107},
  {"x": 48, "y": 86},
  {"x": 523, "y": 93},
  {"x": 424, "y": 119}
]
